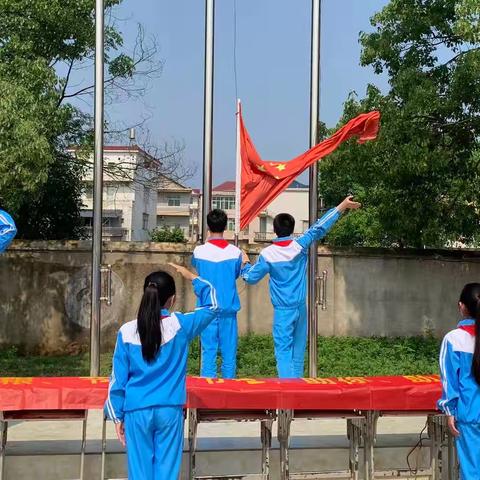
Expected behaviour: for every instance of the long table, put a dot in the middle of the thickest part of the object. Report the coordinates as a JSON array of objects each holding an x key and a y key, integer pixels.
[
  {"x": 409, "y": 392},
  {"x": 360, "y": 400}
]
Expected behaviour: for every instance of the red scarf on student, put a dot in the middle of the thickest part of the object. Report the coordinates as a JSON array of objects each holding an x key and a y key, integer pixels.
[{"x": 471, "y": 329}]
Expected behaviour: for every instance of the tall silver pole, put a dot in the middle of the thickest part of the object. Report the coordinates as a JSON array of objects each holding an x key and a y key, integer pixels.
[
  {"x": 208, "y": 114},
  {"x": 97, "y": 192},
  {"x": 313, "y": 196}
]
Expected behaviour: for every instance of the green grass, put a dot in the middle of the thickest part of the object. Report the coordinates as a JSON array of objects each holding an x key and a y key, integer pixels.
[{"x": 336, "y": 357}]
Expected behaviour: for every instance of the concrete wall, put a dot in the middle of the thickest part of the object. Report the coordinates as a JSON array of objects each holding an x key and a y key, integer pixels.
[{"x": 45, "y": 291}]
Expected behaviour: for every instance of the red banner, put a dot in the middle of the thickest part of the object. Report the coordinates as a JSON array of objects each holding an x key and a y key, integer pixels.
[{"x": 410, "y": 392}]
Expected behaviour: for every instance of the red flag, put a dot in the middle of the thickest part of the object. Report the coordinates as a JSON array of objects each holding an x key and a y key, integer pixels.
[{"x": 262, "y": 181}]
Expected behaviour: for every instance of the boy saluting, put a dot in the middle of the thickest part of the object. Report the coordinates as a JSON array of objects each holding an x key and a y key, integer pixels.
[{"x": 286, "y": 262}]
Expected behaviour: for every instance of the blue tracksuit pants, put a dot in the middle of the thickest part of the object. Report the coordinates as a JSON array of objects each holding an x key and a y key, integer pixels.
[
  {"x": 221, "y": 334},
  {"x": 154, "y": 439},
  {"x": 468, "y": 449},
  {"x": 290, "y": 339}
]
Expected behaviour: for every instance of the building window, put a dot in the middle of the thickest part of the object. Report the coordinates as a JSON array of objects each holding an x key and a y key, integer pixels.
[
  {"x": 173, "y": 201},
  {"x": 111, "y": 191},
  {"x": 224, "y": 203},
  {"x": 145, "y": 221},
  {"x": 231, "y": 225},
  {"x": 88, "y": 191}
]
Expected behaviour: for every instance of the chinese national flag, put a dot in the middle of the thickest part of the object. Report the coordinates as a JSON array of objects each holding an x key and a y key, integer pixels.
[{"x": 261, "y": 180}]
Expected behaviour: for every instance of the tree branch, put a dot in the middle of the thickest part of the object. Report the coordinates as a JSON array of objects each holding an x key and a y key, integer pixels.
[{"x": 66, "y": 80}]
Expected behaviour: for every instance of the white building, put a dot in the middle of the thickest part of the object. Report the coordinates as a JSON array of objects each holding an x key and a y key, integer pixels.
[
  {"x": 177, "y": 207},
  {"x": 133, "y": 206},
  {"x": 129, "y": 203},
  {"x": 293, "y": 200}
]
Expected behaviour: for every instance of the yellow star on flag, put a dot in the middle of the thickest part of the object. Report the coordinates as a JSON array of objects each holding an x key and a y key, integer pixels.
[
  {"x": 280, "y": 167},
  {"x": 261, "y": 168}
]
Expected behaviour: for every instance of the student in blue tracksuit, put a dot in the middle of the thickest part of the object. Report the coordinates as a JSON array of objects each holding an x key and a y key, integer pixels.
[
  {"x": 460, "y": 371},
  {"x": 220, "y": 263},
  {"x": 8, "y": 230},
  {"x": 147, "y": 388},
  {"x": 286, "y": 262}
]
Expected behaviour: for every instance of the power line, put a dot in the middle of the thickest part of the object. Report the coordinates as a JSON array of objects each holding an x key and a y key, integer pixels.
[{"x": 235, "y": 48}]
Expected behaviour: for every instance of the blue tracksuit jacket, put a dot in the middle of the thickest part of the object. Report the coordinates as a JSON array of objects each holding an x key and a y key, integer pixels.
[
  {"x": 136, "y": 384},
  {"x": 286, "y": 262},
  {"x": 461, "y": 395},
  {"x": 8, "y": 230},
  {"x": 220, "y": 263}
]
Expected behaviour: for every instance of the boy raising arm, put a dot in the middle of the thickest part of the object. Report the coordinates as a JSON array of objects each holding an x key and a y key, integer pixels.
[{"x": 286, "y": 262}]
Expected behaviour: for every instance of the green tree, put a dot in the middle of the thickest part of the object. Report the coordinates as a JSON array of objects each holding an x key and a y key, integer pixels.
[
  {"x": 167, "y": 234},
  {"x": 419, "y": 180},
  {"x": 41, "y": 43}
]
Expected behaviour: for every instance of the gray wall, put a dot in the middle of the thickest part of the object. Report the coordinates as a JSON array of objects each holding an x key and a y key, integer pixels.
[{"x": 45, "y": 291}]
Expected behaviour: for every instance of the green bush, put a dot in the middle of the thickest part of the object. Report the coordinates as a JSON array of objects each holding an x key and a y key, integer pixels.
[
  {"x": 167, "y": 234},
  {"x": 345, "y": 356}
]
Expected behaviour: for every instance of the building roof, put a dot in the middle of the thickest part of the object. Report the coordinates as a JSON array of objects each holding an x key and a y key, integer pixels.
[
  {"x": 296, "y": 184},
  {"x": 130, "y": 148},
  {"x": 228, "y": 186},
  {"x": 123, "y": 148}
]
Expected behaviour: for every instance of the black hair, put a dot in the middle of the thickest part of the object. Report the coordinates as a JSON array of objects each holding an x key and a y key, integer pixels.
[
  {"x": 217, "y": 221},
  {"x": 283, "y": 225},
  {"x": 470, "y": 297},
  {"x": 157, "y": 289}
]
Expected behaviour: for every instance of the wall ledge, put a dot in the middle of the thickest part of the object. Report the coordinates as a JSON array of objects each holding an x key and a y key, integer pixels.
[{"x": 187, "y": 248}]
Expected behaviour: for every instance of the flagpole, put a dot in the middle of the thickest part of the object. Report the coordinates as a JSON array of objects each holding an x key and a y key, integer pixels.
[
  {"x": 238, "y": 178},
  {"x": 97, "y": 192},
  {"x": 208, "y": 114},
  {"x": 313, "y": 193}
]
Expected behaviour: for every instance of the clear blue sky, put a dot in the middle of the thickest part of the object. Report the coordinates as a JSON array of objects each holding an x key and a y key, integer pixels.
[{"x": 273, "y": 61}]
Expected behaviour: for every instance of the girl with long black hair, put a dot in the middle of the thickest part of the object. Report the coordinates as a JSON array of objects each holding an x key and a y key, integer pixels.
[
  {"x": 147, "y": 389},
  {"x": 460, "y": 371}
]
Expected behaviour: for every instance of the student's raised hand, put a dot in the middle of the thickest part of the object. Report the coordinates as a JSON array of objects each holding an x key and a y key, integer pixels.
[
  {"x": 452, "y": 426},
  {"x": 120, "y": 429},
  {"x": 245, "y": 257},
  {"x": 184, "y": 272},
  {"x": 348, "y": 204}
]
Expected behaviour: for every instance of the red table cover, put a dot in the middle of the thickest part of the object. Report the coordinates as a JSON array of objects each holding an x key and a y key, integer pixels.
[{"x": 406, "y": 393}]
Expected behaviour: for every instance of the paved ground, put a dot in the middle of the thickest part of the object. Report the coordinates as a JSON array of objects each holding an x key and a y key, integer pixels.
[
  {"x": 37, "y": 431},
  {"x": 51, "y": 448}
]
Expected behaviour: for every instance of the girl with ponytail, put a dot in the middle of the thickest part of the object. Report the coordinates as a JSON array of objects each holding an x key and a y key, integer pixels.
[
  {"x": 147, "y": 388},
  {"x": 460, "y": 372}
]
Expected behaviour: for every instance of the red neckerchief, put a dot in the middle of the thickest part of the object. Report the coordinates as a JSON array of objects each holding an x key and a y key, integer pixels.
[
  {"x": 219, "y": 242},
  {"x": 471, "y": 329},
  {"x": 283, "y": 243}
]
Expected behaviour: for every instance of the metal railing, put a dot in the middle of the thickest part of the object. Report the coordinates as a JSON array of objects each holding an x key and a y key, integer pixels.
[
  {"x": 263, "y": 236},
  {"x": 108, "y": 233}
]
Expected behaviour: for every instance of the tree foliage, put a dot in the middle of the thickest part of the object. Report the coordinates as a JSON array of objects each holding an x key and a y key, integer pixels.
[
  {"x": 41, "y": 43},
  {"x": 419, "y": 180}
]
